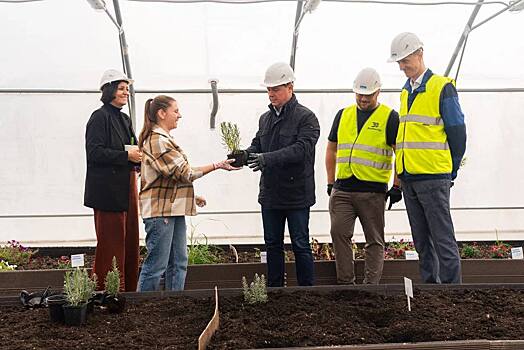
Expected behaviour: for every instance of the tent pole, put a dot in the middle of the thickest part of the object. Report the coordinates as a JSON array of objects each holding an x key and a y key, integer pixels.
[
  {"x": 463, "y": 37},
  {"x": 124, "y": 50},
  {"x": 298, "y": 16}
]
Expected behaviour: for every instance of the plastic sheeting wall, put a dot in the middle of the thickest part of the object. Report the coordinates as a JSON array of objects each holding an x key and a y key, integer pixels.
[
  {"x": 44, "y": 167},
  {"x": 65, "y": 45}
]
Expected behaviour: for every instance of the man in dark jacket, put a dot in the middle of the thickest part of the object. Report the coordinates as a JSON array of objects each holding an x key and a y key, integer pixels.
[{"x": 284, "y": 151}]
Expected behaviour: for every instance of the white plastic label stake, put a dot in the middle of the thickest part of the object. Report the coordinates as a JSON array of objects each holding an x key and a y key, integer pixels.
[
  {"x": 516, "y": 253},
  {"x": 411, "y": 255},
  {"x": 408, "y": 288},
  {"x": 263, "y": 257},
  {"x": 77, "y": 260}
]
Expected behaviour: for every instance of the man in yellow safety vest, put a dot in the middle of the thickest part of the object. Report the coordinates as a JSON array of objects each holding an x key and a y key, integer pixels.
[
  {"x": 431, "y": 142},
  {"x": 359, "y": 164}
]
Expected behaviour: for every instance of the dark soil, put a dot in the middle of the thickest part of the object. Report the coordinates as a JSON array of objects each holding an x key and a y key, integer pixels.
[
  {"x": 51, "y": 263},
  {"x": 171, "y": 323},
  {"x": 355, "y": 317},
  {"x": 303, "y": 318}
]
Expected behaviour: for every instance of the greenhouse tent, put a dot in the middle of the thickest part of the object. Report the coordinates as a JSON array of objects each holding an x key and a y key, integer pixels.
[{"x": 54, "y": 52}]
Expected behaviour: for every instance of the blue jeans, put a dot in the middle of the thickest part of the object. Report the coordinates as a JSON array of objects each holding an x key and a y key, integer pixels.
[
  {"x": 427, "y": 204},
  {"x": 166, "y": 252},
  {"x": 274, "y": 221}
]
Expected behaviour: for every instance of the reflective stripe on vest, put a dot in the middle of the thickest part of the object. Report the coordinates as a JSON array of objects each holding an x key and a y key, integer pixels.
[
  {"x": 422, "y": 146},
  {"x": 364, "y": 154}
]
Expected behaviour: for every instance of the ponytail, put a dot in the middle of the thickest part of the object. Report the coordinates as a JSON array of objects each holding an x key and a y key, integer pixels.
[{"x": 153, "y": 105}]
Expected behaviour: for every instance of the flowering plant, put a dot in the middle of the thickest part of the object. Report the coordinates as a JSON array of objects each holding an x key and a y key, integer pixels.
[
  {"x": 16, "y": 253},
  {"x": 500, "y": 250},
  {"x": 397, "y": 249},
  {"x": 64, "y": 262}
]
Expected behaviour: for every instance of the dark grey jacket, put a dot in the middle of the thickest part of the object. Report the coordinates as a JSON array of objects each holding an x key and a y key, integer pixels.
[{"x": 288, "y": 143}]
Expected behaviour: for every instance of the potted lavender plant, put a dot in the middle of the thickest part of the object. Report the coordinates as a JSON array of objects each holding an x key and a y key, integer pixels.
[
  {"x": 114, "y": 301},
  {"x": 78, "y": 288},
  {"x": 231, "y": 140}
]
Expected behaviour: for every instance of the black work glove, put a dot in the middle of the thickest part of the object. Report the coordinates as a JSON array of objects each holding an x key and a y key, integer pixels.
[
  {"x": 242, "y": 155},
  {"x": 329, "y": 189},
  {"x": 394, "y": 194},
  {"x": 256, "y": 161}
]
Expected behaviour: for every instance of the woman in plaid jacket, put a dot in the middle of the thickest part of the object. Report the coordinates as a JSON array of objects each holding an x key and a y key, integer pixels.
[{"x": 166, "y": 195}]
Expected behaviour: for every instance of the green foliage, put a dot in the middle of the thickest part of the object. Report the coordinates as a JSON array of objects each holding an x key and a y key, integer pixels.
[
  {"x": 16, "y": 253},
  {"x": 4, "y": 266},
  {"x": 256, "y": 292},
  {"x": 112, "y": 281},
  {"x": 200, "y": 253},
  {"x": 78, "y": 286},
  {"x": 470, "y": 251},
  {"x": 230, "y": 136}
]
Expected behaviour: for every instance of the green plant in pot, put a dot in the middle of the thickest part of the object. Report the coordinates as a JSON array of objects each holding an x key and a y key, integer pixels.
[
  {"x": 231, "y": 140},
  {"x": 78, "y": 288},
  {"x": 114, "y": 301}
]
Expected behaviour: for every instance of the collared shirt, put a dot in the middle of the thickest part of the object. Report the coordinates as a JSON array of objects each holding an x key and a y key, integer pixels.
[
  {"x": 415, "y": 84},
  {"x": 167, "y": 178}
]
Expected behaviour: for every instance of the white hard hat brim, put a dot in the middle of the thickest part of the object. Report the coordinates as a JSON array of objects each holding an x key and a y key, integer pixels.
[
  {"x": 276, "y": 84},
  {"x": 129, "y": 81},
  {"x": 365, "y": 91},
  {"x": 396, "y": 59}
]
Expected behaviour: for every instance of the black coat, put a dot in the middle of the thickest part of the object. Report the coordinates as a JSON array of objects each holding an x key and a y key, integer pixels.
[
  {"x": 288, "y": 143},
  {"x": 107, "y": 177}
]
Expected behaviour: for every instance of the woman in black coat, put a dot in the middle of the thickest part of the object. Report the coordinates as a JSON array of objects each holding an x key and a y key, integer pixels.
[{"x": 111, "y": 182}]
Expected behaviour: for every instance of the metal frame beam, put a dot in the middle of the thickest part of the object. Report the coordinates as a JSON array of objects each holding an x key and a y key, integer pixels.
[
  {"x": 298, "y": 18},
  {"x": 124, "y": 51}
]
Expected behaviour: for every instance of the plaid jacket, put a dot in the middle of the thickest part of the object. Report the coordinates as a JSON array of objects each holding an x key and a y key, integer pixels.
[{"x": 167, "y": 178}]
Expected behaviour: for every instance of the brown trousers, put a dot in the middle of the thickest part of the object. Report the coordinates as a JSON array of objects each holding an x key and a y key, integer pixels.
[
  {"x": 117, "y": 235},
  {"x": 344, "y": 208}
]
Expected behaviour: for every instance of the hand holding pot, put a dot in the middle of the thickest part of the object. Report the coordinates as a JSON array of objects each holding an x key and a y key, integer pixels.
[{"x": 133, "y": 153}]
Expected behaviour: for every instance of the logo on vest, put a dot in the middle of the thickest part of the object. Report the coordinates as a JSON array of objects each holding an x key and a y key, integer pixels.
[{"x": 375, "y": 126}]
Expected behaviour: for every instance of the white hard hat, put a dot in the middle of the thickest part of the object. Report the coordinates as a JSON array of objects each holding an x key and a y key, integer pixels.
[
  {"x": 367, "y": 82},
  {"x": 278, "y": 74},
  {"x": 111, "y": 75},
  {"x": 404, "y": 45}
]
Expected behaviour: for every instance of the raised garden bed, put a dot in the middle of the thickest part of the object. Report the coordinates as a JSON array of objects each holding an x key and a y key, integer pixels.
[
  {"x": 58, "y": 257},
  {"x": 230, "y": 275},
  {"x": 316, "y": 316}
]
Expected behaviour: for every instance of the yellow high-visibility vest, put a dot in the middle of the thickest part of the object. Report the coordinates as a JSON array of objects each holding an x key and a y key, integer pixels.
[
  {"x": 366, "y": 154},
  {"x": 422, "y": 146}
]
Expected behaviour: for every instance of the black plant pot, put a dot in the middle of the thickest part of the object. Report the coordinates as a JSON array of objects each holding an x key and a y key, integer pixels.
[
  {"x": 115, "y": 304},
  {"x": 75, "y": 315},
  {"x": 238, "y": 157},
  {"x": 55, "y": 305}
]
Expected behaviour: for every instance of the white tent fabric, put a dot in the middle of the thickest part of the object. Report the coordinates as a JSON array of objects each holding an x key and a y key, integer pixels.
[{"x": 65, "y": 45}]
